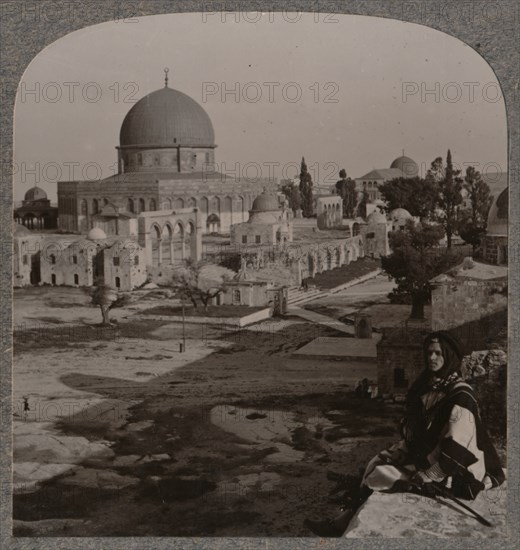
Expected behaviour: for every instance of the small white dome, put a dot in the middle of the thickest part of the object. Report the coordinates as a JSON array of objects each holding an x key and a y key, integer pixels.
[
  {"x": 400, "y": 214},
  {"x": 96, "y": 234}
]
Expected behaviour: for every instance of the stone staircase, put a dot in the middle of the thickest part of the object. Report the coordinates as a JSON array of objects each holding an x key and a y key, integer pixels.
[{"x": 298, "y": 296}]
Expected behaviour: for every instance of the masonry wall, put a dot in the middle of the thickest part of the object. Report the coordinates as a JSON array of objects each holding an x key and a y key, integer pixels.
[
  {"x": 458, "y": 302},
  {"x": 470, "y": 308}
]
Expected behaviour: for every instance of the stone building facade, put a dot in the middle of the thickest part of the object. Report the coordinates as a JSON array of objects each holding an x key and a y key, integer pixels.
[
  {"x": 148, "y": 248},
  {"x": 268, "y": 223},
  {"x": 27, "y": 248},
  {"x": 471, "y": 301},
  {"x": 329, "y": 211},
  {"x": 375, "y": 235},
  {"x": 166, "y": 161},
  {"x": 401, "y": 167},
  {"x": 400, "y": 357}
]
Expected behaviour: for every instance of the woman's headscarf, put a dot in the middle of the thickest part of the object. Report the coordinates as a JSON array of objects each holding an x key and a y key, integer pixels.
[
  {"x": 451, "y": 351},
  {"x": 426, "y": 381}
]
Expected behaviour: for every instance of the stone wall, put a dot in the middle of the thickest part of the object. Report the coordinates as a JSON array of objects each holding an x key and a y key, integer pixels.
[
  {"x": 399, "y": 358},
  {"x": 472, "y": 309}
]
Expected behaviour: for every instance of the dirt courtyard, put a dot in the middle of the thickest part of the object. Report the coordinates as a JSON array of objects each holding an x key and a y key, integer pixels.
[{"x": 126, "y": 436}]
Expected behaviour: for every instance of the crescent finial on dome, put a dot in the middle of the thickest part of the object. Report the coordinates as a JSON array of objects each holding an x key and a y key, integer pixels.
[{"x": 166, "y": 71}]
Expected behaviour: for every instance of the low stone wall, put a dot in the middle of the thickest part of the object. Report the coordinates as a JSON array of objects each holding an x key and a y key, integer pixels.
[
  {"x": 405, "y": 515},
  {"x": 237, "y": 322}
]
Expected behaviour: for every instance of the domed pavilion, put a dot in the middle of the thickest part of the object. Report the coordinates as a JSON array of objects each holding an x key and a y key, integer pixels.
[
  {"x": 268, "y": 223},
  {"x": 36, "y": 211},
  {"x": 166, "y": 161}
]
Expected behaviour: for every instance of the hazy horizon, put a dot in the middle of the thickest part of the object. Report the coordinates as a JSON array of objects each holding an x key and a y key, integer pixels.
[{"x": 362, "y": 62}]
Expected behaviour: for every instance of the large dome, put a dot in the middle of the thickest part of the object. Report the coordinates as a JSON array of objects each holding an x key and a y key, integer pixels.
[
  {"x": 35, "y": 194},
  {"x": 407, "y": 165},
  {"x": 498, "y": 213},
  {"x": 167, "y": 118}
]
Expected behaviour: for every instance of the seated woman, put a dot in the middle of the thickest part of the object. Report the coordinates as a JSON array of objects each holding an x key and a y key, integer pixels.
[{"x": 443, "y": 437}]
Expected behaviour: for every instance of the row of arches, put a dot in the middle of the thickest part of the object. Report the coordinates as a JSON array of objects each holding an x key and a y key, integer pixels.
[
  {"x": 172, "y": 242},
  {"x": 209, "y": 204},
  {"x": 36, "y": 221},
  {"x": 318, "y": 261},
  {"x": 206, "y": 204},
  {"x": 134, "y": 205}
]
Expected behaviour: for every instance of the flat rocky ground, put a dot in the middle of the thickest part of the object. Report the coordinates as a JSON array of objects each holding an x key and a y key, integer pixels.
[{"x": 127, "y": 436}]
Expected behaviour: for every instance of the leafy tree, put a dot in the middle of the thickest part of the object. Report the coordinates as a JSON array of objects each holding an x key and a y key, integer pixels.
[
  {"x": 292, "y": 192},
  {"x": 346, "y": 189},
  {"x": 417, "y": 195},
  {"x": 200, "y": 280},
  {"x": 415, "y": 259},
  {"x": 472, "y": 221},
  {"x": 107, "y": 298},
  {"x": 450, "y": 193},
  {"x": 306, "y": 191}
]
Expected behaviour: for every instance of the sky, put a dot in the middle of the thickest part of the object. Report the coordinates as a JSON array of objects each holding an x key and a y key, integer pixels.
[{"x": 352, "y": 92}]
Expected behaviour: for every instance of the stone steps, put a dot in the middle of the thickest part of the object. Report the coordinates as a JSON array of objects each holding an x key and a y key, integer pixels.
[{"x": 298, "y": 296}]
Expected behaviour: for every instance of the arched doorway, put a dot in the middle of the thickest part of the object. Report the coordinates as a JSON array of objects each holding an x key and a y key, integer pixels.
[
  {"x": 156, "y": 244},
  {"x": 167, "y": 244}
]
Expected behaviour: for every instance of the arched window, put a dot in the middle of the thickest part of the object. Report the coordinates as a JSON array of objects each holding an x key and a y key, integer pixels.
[
  {"x": 76, "y": 279},
  {"x": 130, "y": 205},
  {"x": 142, "y": 206},
  {"x": 95, "y": 206},
  {"x": 153, "y": 205},
  {"x": 118, "y": 282},
  {"x": 84, "y": 207},
  {"x": 53, "y": 279}
]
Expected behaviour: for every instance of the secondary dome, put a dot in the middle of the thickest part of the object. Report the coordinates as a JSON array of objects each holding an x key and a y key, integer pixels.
[
  {"x": 407, "y": 165},
  {"x": 266, "y": 202},
  {"x": 400, "y": 213},
  {"x": 167, "y": 118},
  {"x": 35, "y": 194},
  {"x": 96, "y": 234},
  {"x": 498, "y": 214}
]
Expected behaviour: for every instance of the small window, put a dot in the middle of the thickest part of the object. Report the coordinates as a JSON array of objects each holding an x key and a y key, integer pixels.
[
  {"x": 136, "y": 260},
  {"x": 53, "y": 279},
  {"x": 76, "y": 279},
  {"x": 236, "y": 296},
  {"x": 118, "y": 282},
  {"x": 25, "y": 259},
  {"x": 401, "y": 227},
  {"x": 116, "y": 261},
  {"x": 258, "y": 239},
  {"x": 244, "y": 239},
  {"x": 74, "y": 259},
  {"x": 53, "y": 259},
  {"x": 371, "y": 235}
]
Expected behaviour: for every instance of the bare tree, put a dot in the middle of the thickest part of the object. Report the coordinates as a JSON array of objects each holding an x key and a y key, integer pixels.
[{"x": 200, "y": 281}]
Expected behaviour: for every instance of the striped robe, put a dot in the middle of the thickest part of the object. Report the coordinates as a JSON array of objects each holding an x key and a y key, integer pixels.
[{"x": 447, "y": 444}]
